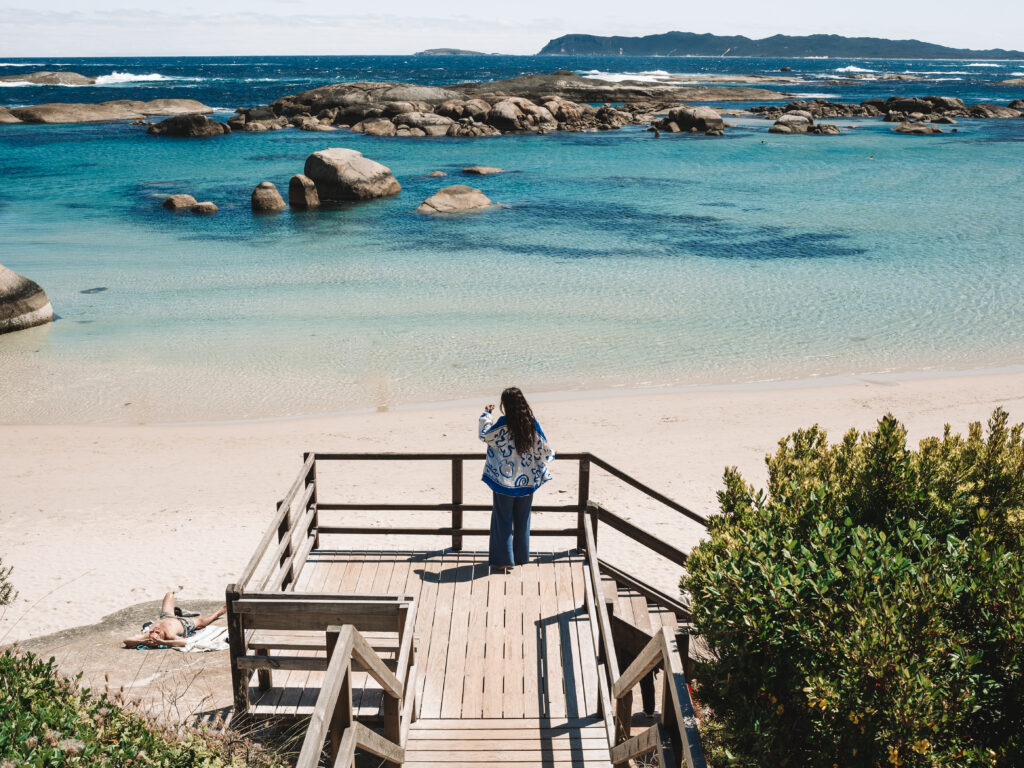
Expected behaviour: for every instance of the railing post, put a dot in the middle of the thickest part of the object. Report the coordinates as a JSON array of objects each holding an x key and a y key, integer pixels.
[
  {"x": 582, "y": 500},
  {"x": 456, "y": 504},
  {"x": 285, "y": 529},
  {"x": 236, "y": 644},
  {"x": 314, "y": 524},
  {"x": 342, "y": 718}
]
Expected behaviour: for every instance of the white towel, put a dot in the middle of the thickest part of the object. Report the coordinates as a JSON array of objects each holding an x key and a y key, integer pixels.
[{"x": 211, "y": 638}]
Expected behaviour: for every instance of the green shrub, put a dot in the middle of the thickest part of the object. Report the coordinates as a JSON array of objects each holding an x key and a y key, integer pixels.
[
  {"x": 47, "y": 720},
  {"x": 867, "y": 609},
  {"x": 7, "y": 593}
]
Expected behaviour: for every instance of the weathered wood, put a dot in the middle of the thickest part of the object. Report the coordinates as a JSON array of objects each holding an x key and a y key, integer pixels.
[
  {"x": 647, "y": 490},
  {"x": 375, "y": 666},
  {"x": 653, "y": 739},
  {"x": 679, "y": 608},
  {"x": 281, "y": 640},
  {"x": 378, "y": 745},
  {"x": 636, "y": 533},
  {"x": 393, "y": 456},
  {"x": 457, "y": 504},
  {"x": 630, "y": 642},
  {"x": 344, "y": 753},
  {"x": 582, "y": 499},
  {"x": 443, "y": 506},
  {"x": 311, "y": 482},
  {"x": 409, "y": 705},
  {"x": 236, "y": 645},
  {"x": 650, "y": 657},
  {"x": 678, "y": 703},
  {"x": 607, "y": 644},
  {"x": 333, "y": 710}
]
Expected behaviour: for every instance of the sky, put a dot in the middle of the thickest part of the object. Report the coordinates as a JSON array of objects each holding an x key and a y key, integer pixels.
[{"x": 288, "y": 27}]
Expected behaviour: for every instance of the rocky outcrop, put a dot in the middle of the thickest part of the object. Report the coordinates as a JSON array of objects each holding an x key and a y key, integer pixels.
[
  {"x": 993, "y": 111},
  {"x": 107, "y": 111},
  {"x": 344, "y": 174},
  {"x": 437, "y": 174},
  {"x": 266, "y": 199},
  {"x": 23, "y": 303},
  {"x": 310, "y": 123},
  {"x": 1016, "y": 103},
  {"x": 6, "y": 118},
  {"x": 482, "y": 170},
  {"x": 894, "y": 109},
  {"x": 49, "y": 78},
  {"x": 917, "y": 129},
  {"x": 1012, "y": 81},
  {"x": 535, "y": 103},
  {"x": 585, "y": 89},
  {"x": 205, "y": 208},
  {"x": 189, "y": 127},
  {"x": 302, "y": 195},
  {"x": 455, "y": 199},
  {"x": 179, "y": 202},
  {"x": 692, "y": 120}
]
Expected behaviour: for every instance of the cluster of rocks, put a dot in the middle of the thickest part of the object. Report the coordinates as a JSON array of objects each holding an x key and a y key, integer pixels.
[
  {"x": 801, "y": 121},
  {"x": 691, "y": 120},
  {"x": 895, "y": 109},
  {"x": 183, "y": 202},
  {"x": 23, "y": 303},
  {"x": 395, "y": 109}
]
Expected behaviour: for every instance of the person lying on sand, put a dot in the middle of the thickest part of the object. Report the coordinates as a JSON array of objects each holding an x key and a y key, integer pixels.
[{"x": 172, "y": 626}]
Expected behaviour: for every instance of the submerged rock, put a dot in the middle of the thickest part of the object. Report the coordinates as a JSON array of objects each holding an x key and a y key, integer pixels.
[
  {"x": 344, "y": 174},
  {"x": 204, "y": 208},
  {"x": 482, "y": 170},
  {"x": 49, "y": 78},
  {"x": 189, "y": 126},
  {"x": 178, "y": 202},
  {"x": 23, "y": 303},
  {"x": 458, "y": 198},
  {"x": 266, "y": 199},
  {"x": 437, "y": 174},
  {"x": 302, "y": 193}
]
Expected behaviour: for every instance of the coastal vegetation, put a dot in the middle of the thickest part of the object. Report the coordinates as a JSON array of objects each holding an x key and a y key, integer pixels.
[
  {"x": 829, "y": 46},
  {"x": 866, "y": 608},
  {"x": 7, "y": 593},
  {"x": 46, "y": 720}
]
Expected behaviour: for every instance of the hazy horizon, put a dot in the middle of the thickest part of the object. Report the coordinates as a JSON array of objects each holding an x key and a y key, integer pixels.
[{"x": 314, "y": 27}]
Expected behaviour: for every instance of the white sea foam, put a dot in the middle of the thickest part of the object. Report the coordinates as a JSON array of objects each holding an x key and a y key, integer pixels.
[
  {"x": 852, "y": 68},
  {"x": 650, "y": 76},
  {"x": 981, "y": 64},
  {"x": 1017, "y": 74},
  {"x": 20, "y": 64},
  {"x": 114, "y": 78},
  {"x": 815, "y": 95}
]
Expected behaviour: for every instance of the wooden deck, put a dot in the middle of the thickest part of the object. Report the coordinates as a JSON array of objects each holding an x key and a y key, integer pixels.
[
  {"x": 489, "y": 645},
  {"x": 424, "y": 657}
]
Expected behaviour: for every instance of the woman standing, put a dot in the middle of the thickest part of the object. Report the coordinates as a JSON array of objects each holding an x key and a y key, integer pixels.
[{"x": 516, "y": 466}]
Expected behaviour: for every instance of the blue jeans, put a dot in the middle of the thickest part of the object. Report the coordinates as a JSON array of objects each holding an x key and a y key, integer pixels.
[{"x": 510, "y": 529}]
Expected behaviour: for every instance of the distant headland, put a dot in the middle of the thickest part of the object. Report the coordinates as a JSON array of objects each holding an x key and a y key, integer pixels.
[
  {"x": 450, "y": 52},
  {"x": 781, "y": 46}
]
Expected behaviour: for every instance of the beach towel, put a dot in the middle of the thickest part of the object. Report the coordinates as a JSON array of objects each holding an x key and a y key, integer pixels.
[{"x": 211, "y": 638}]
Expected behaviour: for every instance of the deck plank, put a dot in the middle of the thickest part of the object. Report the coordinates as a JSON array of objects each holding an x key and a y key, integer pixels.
[
  {"x": 513, "y": 701},
  {"x": 437, "y": 658},
  {"x": 548, "y": 648},
  {"x": 494, "y": 645},
  {"x": 476, "y": 641},
  {"x": 574, "y": 703},
  {"x": 588, "y": 662},
  {"x": 458, "y": 639},
  {"x": 532, "y": 670}
]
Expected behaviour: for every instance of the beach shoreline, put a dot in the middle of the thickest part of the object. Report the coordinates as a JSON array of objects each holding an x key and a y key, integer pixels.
[{"x": 95, "y": 517}]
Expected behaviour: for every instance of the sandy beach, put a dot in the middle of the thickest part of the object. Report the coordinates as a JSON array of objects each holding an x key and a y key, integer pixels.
[{"x": 94, "y": 518}]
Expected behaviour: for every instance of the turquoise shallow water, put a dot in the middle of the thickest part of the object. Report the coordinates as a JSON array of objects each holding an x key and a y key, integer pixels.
[{"x": 614, "y": 260}]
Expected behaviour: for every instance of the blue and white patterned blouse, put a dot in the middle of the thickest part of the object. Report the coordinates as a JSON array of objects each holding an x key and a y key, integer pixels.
[{"x": 506, "y": 471}]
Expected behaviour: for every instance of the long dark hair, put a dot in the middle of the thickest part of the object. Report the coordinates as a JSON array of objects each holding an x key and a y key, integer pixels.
[{"x": 519, "y": 418}]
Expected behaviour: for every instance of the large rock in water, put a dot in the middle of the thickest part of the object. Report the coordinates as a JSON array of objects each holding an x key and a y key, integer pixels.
[
  {"x": 178, "y": 202},
  {"x": 189, "y": 126},
  {"x": 918, "y": 129},
  {"x": 455, "y": 199},
  {"x": 696, "y": 119},
  {"x": 22, "y": 302},
  {"x": 107, "y": 111},
  {"x": 343, "y": 174},
  {"x": 50, "y": 78},
  {"x": 302, "y": 193},
  {"x": 266, "y": 199}
]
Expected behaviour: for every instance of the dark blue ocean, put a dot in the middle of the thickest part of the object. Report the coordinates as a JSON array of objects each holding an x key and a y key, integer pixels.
[{"x": 614, "y": 260}]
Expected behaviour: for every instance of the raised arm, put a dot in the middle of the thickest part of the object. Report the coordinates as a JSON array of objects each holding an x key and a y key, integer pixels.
[{"x": 487, "y": 432}]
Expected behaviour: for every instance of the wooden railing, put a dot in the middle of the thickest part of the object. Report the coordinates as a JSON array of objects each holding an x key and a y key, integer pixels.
[
  {"x": 676, "y": 734},
  {"x": 333, "y": 715}
]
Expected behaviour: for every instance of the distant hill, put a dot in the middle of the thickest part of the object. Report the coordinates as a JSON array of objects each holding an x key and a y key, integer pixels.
[
  {"x": 782, "y": 46},
  {"x": 448, "y": 52}
]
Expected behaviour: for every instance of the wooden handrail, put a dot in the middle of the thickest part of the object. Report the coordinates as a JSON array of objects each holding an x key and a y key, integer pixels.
[
  {"x": 637, "y": 533},
  {"x": 396, "y": 456},
  {"x": 350, "y": 646},
  {"x": 677, "y": 708},
  {"x": 611, "y": 662},
  {"x": 647, "y": 490},
  {"x": 654, "y": 739},
  {"x": 441, "y": 506},
  {"x": 338, "y": 669}
]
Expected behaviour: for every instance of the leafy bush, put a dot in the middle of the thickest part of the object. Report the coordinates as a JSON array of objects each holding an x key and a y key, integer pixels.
[
  {"x": 867, "y": 610},
  {"x": 47, "y": 720},
  {"x": 7, "y": 593}
]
